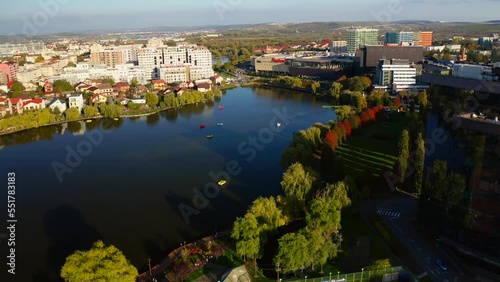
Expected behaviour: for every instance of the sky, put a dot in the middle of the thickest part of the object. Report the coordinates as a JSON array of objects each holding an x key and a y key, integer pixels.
[{"x": 36, "y": 17}]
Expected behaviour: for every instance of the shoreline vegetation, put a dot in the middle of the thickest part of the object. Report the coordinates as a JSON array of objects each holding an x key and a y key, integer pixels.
[{"x": 143, "y": 113}]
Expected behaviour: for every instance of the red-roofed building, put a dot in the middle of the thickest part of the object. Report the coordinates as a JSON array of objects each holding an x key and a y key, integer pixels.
[
  {"x": 82, "y": 87},
  {"x": 48, "y": 87},
  {"x": 17, "y": 105},
  {"x": 98, "y": 98},
  {"x": 34, "y": 104},
  {"x": 104, "y": 88},
  {"x": 217, "y": 79},
  {"x": 122, "y": 87},
  {"x": 158, "y": 84}
]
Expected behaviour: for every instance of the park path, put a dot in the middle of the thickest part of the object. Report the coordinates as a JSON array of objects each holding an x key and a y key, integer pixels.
[{"x": 173, "y": 255}]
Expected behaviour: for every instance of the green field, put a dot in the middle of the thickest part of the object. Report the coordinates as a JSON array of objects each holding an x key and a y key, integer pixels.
[{"x": 373, "y": 148}]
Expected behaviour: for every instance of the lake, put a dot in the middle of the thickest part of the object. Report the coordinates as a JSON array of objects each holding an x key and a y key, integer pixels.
[{"x": 126, "y": 181}]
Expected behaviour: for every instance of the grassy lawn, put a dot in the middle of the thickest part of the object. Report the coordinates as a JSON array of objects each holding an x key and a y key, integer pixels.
[
  {"x": 373, "y": 149},
  {"x": 230, "y": 259}
]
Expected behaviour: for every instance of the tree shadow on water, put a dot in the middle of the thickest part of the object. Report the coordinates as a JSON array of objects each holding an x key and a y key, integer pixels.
[{"x": 67, "y": 232}]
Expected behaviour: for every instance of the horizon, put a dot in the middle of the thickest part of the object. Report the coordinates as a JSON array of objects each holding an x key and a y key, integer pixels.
[{"x": 33, "y": 18}]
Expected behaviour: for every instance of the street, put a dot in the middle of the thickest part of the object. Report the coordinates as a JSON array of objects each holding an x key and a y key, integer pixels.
[{"x": 398, "y": 213}]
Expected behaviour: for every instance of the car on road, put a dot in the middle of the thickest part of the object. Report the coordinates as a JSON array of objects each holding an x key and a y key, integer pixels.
[{"x": 440, "y": 263}]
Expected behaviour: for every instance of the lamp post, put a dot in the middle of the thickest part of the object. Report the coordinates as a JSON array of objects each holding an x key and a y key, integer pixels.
[
  {"x": 385, "y": 267},
  {"x": 338, "y": 275},
  {"x": 330, "y": 277},
  {"x": 362, "y": 273},
  {"x": 305, "y": 279}
]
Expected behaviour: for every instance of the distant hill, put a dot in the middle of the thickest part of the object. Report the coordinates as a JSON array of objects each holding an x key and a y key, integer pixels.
[{"x": 324, "y": 30}]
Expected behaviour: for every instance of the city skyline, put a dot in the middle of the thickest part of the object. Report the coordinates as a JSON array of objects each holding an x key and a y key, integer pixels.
[{"x": 52, "y": 16}]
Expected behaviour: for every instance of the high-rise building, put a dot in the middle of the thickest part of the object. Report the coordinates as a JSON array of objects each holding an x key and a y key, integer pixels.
[
  {"x": 115, "y": 55},
  {"x": 338, "y": 46},
  {"x": 425, "y": 38},
  {"x": 182, "y": 54},
  {"x": 10, "y": 68},
  {"x": 358, "y": 37},
  {"x": 401, "y": 37}
]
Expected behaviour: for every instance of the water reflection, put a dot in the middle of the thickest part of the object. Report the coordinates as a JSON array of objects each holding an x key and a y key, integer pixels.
[{"x": 153, "y": 119}]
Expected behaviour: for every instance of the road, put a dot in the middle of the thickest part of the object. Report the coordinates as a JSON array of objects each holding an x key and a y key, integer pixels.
[{"x": 398, "y": 213}]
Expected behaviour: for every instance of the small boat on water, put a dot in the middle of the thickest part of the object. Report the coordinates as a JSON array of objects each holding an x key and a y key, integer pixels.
[
  {"x": 220, "y": 123},
  {"x": 202, "y": 126},
  {"x": 89, "y": 120},
  {"x": 221, "y": 108},
  {"x": 116, "y": 119},
  {"x": 210, "y": 136},
  {"x": 222, "y": 182}
]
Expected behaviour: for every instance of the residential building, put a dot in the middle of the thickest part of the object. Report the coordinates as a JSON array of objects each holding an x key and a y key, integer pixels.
[
  {"x": 104, "y": 88},
  {"x": 16, "y": 105},
  {"x": 401, "y": 37},
  {"x": 425, "y": 38},
  {"x": 158, "y": 84},
  {"x": 217, "y": 79},
  {"x": 99, "y": 98},
  {"x": 12, "y": 49},
  {"x": 338, "y": 46},
  {"x": 152, "y": 59},
  {"x": 4, "y": 78},
  {"x": 48, "y": 87},
  {"x": 11, "y": 69},
  {"x": 57, "y": 103},
  {"x": 174, "y": 73},
  {"x": 358, "y": 37},
  {"x": 204, "y": 87},
  {"x": 121, "y": 86},
  {"x": 5, "y": 107},
  {"x": 76, "y": 101},
  {"x": 30, "y": 86},
  {"x": 83, "y": 71},
  {"x": 114, "y": 55},
  {"x": 34, "y": 104}
]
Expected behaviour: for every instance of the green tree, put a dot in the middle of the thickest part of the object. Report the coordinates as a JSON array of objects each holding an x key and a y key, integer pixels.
[
  {"x": 218, "y": 65},
  {"x": 133, "y": 106},
  {"x": 71, "y": 64},
  {"x": 267, "y": 213},
  {"x": 315, "y": 86},
  {"x": 62, "y": 85},
  {"x": 111, "y": 111},
  {"x": 90, "y": 111},
  {"x": 438, "y": 180},
  {"x": 357, "y": 83},
  {"x": 247, "y": 233},
  {"x": 422, "y": 99},
  {"x": 39, "y": 59},
  {"x": 292, "y": 253},
  {"x": 100, "y": 263},
  {"x": 404, "y": 153},
  {"x": 17, "y": 88},
  {"x": 72, "y": 114},
  {"x": 379, "y": 264},
  {"x": 343, "y": 113},
  {"x": 419, "y": 164},
  {"x": 297, "y": 182},
  {"x": 109, "y": 79},
  {"x": 455, "y": 189},
  {"x": 134, "y": 82},
  {"x": 335, "y": 90},
  {"x": 152, "y": 99}
]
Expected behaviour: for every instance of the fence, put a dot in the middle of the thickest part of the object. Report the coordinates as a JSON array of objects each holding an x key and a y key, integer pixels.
[{"x": 384, "y": 275}]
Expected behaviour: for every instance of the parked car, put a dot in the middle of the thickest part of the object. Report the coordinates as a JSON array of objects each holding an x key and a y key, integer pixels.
[{"x": 441, "y": 265}]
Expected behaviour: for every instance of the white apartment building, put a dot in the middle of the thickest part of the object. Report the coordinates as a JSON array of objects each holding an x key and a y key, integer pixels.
[
  {"x": 197, "y": 57},
  {"x": 173, "y": 73},
  {"x": 338, "y": 46},
  {"x": 123, "y": 72}
]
